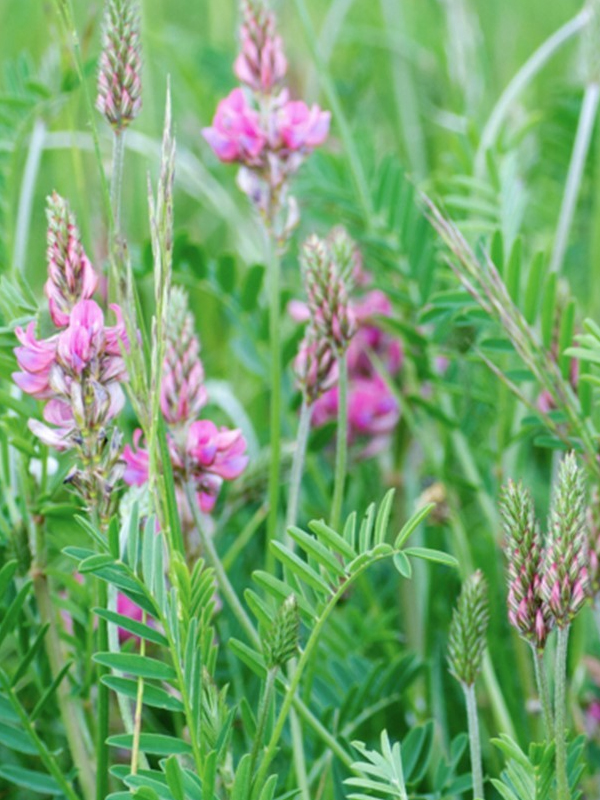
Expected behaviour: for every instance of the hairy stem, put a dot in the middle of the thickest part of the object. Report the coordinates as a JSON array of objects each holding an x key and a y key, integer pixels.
[
  {"x": 587, "y": 119},
  {"x": 116, "y": 178},
  {"x": 298, "y": 746},
  {"x": 474, "y": 742},
  {"x": 560, "y": 690},
  {"x": 298, "y": 467},
  {"x": 274, "y": 266},
  {"x": 342, "y": 444},
  {"x": 541, "y": 678}
]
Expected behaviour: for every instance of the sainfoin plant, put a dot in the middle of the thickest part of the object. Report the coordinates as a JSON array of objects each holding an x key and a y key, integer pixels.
[{"x": 289, "y": 509}]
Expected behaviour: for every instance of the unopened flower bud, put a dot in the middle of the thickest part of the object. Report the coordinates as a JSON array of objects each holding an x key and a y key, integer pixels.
[
  {"x": 467, "y": 639},
  {"x": 315, "y": 366},
  {"x": 71, "y": 277},
  {"x": 565, "y": 578},
  {"x": 327, "y": 291},
  {"x": 280, "y": 643},
  {"x": 527, "y": 610},
  {"x": 261, "y": 64},
  {"x": 120, "y": 74}
]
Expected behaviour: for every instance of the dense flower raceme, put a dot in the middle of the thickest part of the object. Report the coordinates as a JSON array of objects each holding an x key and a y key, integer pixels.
[
  {"x": 120, "y": 72},
  {"x": 260, "y": 127},
  {"x": 200, "y": 451},
  {"x": 77, "y": 370},
  {"x": 373, "y": 412}
]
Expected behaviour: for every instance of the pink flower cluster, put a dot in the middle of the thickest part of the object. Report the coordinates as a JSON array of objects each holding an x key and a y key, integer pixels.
[
  {"x": 53, "y": 369},
  {"x": 200, "y": 451},
  {"x": 79, "y": 368},
  {"x": 260, "y": 127},
  {"x": 373, "y": 412}
]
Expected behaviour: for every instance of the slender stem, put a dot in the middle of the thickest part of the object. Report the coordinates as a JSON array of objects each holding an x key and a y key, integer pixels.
[
  {"x": 102, "y": 759},
  {"x": 116, "y": 178},
  {"x": 47, "y": 611},
  {"x": 560, "y": 688},
  {"x": 263, "y": 715},
  {"x": 65, "y": 10},
  {"x": 225, "y": 586},
  {"x": 522, "y": 79},
  {"x": 139, "y": 702},
  {"x": 304, "y": 659},
  {"x": 541, "y": 678},
  {"x": 48, "y": 759},
  {"x": 342, "y": 443},
  {"x": 231, "y": 598},
  {"x": 298, "y": 746},
  {"x": 587, "y": 119},
  {"x": 333, "y": 98},
  {"x": 298, "y": 467},
  {"x": 474, "y": 742},
  {"x": 274, "y": 266}
]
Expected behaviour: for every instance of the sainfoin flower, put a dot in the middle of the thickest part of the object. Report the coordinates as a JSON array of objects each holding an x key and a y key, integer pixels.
[
  {"x": 261, "y": 63},
  {"x": 120, "y": 73},
  {"x": 201, "y": 452},
  {"x": 236, "y": 133},
  {"x": 565, "y": 577},
  {"x": 79, "y": 369},
  {"x": 260, "y": 128},
  {"x": 528, "y": 611},
  {"x": 71, "y": 276},
  {"x": 467, "y": 638},
  {"x": 373, "y": 411},
  {"x": 182, "y": 392}
]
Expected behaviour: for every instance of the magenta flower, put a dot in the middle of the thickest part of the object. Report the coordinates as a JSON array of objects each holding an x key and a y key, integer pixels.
[
  {"x": 299, "y": 127},
  {"x": 136, "y": 462},
  {"x": 36, "y": 358},
  {"x": 235, "y": 134},
  {"x": 372, "y": 340}
]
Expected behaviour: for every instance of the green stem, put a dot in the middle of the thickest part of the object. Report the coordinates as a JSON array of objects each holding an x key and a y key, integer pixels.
[
  {"x": 139, "y": 702},
  {"x": 102, "y": 759},
  {"x": 522, "y": 79},
  {"x": 358, "y": 172},
  {"x": 274, "y": 266},
  {"x": 299, "y": 757},
  {"x": 116, "y": 178},
  {"x": 474, "y": 742},
  {"x": 231, "y": 598},
  {"x": 65, "y": 10},
  {"x": 47, "y": 611},
  {"x": 298, "y": 467},
  {"x": 541, "y": 678},
  {"x": 227, "y": 590},
  {"x": 585, "y": 127},
  {"x": 47, "y": 758},
  {"x": 342, "y": 443},
  {"x": 560, "y": 690},
  {"x": 303, "y": 662},
  {"x": 263, "y": 715}
]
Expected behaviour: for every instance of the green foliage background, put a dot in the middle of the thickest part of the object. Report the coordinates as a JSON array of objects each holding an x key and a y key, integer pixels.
[{"x": 416, "y": 120}]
